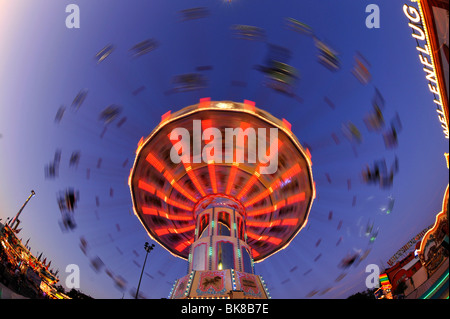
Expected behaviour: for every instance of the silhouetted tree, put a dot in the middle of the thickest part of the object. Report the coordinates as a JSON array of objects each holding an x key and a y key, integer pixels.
[
  {"x": 75, "y": 294},
  {"x": 367, "y": 294}
]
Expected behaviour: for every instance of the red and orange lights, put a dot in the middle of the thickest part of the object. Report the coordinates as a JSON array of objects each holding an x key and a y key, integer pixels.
[{"x": 166, "y": 194}]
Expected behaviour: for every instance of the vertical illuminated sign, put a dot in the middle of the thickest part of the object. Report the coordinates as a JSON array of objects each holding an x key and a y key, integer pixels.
[{"x": 420, "y": 33}]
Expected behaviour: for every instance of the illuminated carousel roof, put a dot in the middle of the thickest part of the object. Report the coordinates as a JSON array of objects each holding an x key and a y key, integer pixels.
[{"x": 165, "y": 193}]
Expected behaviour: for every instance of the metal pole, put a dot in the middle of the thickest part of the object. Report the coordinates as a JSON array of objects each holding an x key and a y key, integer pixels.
[
  {"x": 21, "y": 209},
  {"x": 137, "y": 291},
  {"x": 147, "y": 249}
]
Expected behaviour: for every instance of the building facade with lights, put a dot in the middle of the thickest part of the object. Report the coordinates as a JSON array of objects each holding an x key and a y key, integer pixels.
[
  {"x": 428, "y": 252},
  {"x": 35, "y": 270},
  {"x": 429, "y": 24},
  {"x": 428, "y": 20}
]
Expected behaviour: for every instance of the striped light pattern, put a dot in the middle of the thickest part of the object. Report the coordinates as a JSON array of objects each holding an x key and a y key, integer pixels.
[{"x": 166, "y": 194}]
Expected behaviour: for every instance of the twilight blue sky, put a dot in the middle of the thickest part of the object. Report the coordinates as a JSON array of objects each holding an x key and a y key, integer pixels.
[{"x": 43, "y": 65}]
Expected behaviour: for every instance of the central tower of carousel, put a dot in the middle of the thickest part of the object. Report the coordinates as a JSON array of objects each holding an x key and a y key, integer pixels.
[{"x": 221, "y": 208}]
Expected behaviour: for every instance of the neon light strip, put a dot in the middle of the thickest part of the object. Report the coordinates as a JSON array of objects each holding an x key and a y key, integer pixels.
[
  {"x": 296, "y": 169},
  {"x": 212, "y": 176},
  {"x": 231, "y": 177},
  {"x": 240, "y": 145},
  {"x": 289, "y": 201},
  {"x": 249, "y": 185},
  {"x": 149, "y": 188},
  {"x": 183, "y": 246},
  {"x": 194, "y": 179},
  {"x": 146, "y": 187},
  {"x": 211, "y": 169},
  {"x": 153, "y": 160},
  {"x": 278, "y": 222},
  {"x": 189, "y": 171},
  {"x": 175, "y": 185},
  {"x": 272, "y": 240},
  {"x": 261, "y": 211},
  {"x": 155, "y": 212},
  {"x": 260, "y": 196},
  {"x": 165, "y": 231},
  {"x": 443, "y": 212},
  {"x": 165, "y": 116},
  {"x": 141, "y": 141},
  {"x": 295, "y": 198},
  {"x": 173, "y": 202},
  {"x": 204, "y": 102},
  {"x": 249, "y": 105}
]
